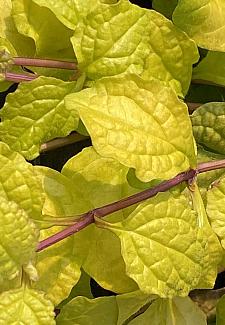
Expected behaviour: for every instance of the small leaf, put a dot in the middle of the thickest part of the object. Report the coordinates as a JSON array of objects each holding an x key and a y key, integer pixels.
[
  {"x": 176, "y": 311},
  {"x": 140, "y": 123},
  {"x": 204, "y": 21},
  {"x": 209, "y": 126},
  {"x": 211, "y": 68},
  {"x": 58, "y": 267},
  {"x": 25, "y": 306},
  {"x": 161, "y": 245},
  {"x": 62, "y": 197},
  {"x": 216, "y": 208},
  {"x": 18, "y": 240},
  {"x": 36, "y": 113},
  {"x": 41, "y": 25},
  {"x": 124, "y": 38}
]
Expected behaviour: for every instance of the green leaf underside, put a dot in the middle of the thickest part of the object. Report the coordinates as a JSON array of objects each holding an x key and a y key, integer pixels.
[
  {"x": 18, "y": 182},
  {"x": 36, "y": 113},
  {"x": 69, "y": 12},
  {"x": 179, "y": 311},
  {"x": 220, "y": 311},
  {"x": 18, "y": 240},
  {"x": 45, "y": 30},
  {"x": 58, "y": 267},
  {"x": 165, "y": 7},
  {"x": 131, "y": 308},
  {"x": 25, "y": 306},
  {"x": 117, "y": 309},
  {"x": 216, "y": 210},
  {"x": 204, "y": 21},
  {"x": 124, "y": 38},
  {"x": 161, "y": 245},
  {"x": 140, "y": 123},
  {"x": 211, "y": 68},
  {"x": 209, "y": 126},
  {"x": 101, "y": 181}
]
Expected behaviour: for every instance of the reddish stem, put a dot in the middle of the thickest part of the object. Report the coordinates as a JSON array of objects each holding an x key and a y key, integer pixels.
[
  {"x": 18, "y": 77},
  {"x": 36, "y": 62}
]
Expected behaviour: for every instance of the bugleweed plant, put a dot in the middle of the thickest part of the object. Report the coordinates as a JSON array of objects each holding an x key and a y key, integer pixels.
[{"x": 142, "y": 210}]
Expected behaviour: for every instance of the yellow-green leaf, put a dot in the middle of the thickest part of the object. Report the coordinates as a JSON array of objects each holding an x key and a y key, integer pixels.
[
  {"x": 140, "y": 123},
  {"x": 204, "y": 21},
  {"x": 25, "y": 306}
]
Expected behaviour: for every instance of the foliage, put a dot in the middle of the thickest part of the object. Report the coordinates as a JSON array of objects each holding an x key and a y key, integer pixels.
[{"x": 121, "y": 75}]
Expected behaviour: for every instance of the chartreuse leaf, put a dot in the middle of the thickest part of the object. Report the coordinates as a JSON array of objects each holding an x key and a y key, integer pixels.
[
  {"x": 45, "y": 30},
  {"x": 216, "y": 208},
  {"x": 124, "y": 38},
  {"x": 220, "y": 311},
  {"x": 62, "y": 197},
  {"x": 18, "y": 240},
  {"x": 213, "y": 249},
  {"x": 25, "y": 306},
  {"x": 117, "y": 309},
  {"x": 176, "y": 311},
  {"x": 209, "y": 126},
  {"x": 211, "y": 68},
  {"x": 101, "y": 181},
  {"x": 161, "y": 245},
  {"x": 83, "y": 311},
  {"x": 204, "y": 21},
  {"x": 140, "y": 123},
  {"x": 69, "y": 12},
  {"x": 19, "y": 183},
  {"x": 58, "y": 267},
  {"x": 36, "y": 113},
  {"x": 22, "y": 45},
  {"x": 165, "y": 7}
]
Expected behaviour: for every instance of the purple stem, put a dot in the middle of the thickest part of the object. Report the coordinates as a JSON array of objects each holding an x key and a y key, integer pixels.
[
  {"x": 17, "y": 77},
  {"x": 36, "y": 62},
  {"x": 88, "y": 218}
]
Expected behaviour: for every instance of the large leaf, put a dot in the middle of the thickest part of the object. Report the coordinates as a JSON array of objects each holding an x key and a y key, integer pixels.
[
  {"x": 216, "y": 208},
  {"x": 209, "y": 126},
  {"x": 18, "y": 182},
  {"x": 178, "y": 311},
  {"x": 122, "y": 38},
  {"x": 73, "y": 10},
  {"x": 51, "y": 37},
  {"x": 105, "y": 310},
  {"x": 211, "y": 68},
  {"x": 36, "y": 113},
  {"x": 140, "y": 123},
  {"x": 204, "y": 21},
  {"x": 159, "y": 242},
  {"x": 58, "y": 267},
  {"x": 101, "y": 181},
  {"x": 18, "y": 240},
  {"x": 25, "y": 306}
]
